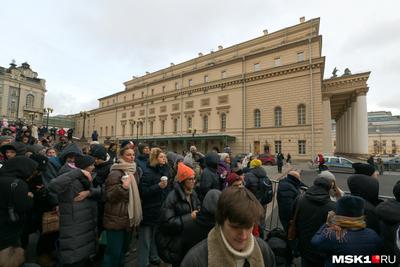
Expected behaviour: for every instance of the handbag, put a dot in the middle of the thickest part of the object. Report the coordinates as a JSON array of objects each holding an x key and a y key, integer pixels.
[
  {"x": 292, "y": 228},
  {"x": 50, "y": 222}
]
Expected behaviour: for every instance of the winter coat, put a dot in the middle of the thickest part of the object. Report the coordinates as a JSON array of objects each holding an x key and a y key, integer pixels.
[
  {"x": 101, "y": 173},
  {"x": 69, "y": 149},
  {"x": 252, "y": 180},
  {"x": 357, "y": 242},
  {"x": 198, "y": 229},
  {"x": 18, "y": 168},
  {"x": 175, "y": 215},
  {"x": 198, "y": 255},
  {"x": 151, "y": 194},
  {"x": 117, "y": 199},
  {"x": 209, "y": 178},
  {"x": 288, "y": 190},
  {"x": 78, "y": 220},
  {"x": 389, "y": 216},
  {"x": 367, "y": 187},
  {"x": 313, "y": 210}
]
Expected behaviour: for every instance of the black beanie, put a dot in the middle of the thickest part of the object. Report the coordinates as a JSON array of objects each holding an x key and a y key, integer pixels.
[
  {"x": 84, "y": 161},
  {"x": 363, "y": 168},
  {"x": 41, "y": 160},
  {"x": 350, "y": 206},
  {"x": 396, "y": 191},
  {"x": 323, "y": 183},
  {"x": 99, "y": 151}
]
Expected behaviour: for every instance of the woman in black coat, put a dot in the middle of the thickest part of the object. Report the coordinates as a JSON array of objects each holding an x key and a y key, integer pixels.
[{"x": 180, "y": 207}]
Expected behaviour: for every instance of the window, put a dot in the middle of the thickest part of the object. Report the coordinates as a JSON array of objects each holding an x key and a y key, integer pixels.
[
  {"x": 277, "y": 61},
  {"x": 112, "y": 130},
  {"x": 301, "y": 114},
  {"x": 189, "y": 104},
  {"x": 300, "y": 56},
  {"x": 176, "y": 86},
  {"x": 163, "y": 89},
  {"x": 189, "y": 123},
  {"x": 302, "y": 147},
  {"x": 257, "y": 67},
  {"x": 205, "y": 78},
  {"x": 106, "y": 130},
  {"x": 124, "y": 115},
  {"x": 151, "y": 111},
  {"x": 175, "y": 107},
  {"x": 190, "y": 82},
  {"x": 123, "y": 129},
  {"x": 223, "y": 122},
  {"x": 175, "y": 126},
  {"x": 132, "y": 114},
  {"x": 278, "y": 117},
  {"x": 223, "y": 74},
  {"x": 257, "y": 118},
  {"x": 278, "y": 147},
  {"x": 205, "y": 124},
  {"x": 30, "y": 100},
  {"x": 141, "y": 128},
  {"x": 151, "y": 127},
  {"x": 163, "y": 108},
  {"x": 132, "y": 126},
  {"x": 223, "y": 99},
  {"x": 142, "y": 94},
  {"x": 331, "y": 160},
  {"x": 124, "y": 98},
  {"x": 162, "y": 126},
  {"x": 133, "y": 96},
  {"x": 205, "y": 102},
  {"x": 101, "y": 131},
  {"x": 152, "y": 91}
]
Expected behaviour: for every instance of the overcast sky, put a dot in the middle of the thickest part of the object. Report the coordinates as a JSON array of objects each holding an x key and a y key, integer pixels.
[{"x": 86, "y": 49}]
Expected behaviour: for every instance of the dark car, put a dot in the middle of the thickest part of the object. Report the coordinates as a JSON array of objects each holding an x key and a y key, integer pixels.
[
  {"x": 392, "y": 164},
  {"x": 267, "y": 159}
]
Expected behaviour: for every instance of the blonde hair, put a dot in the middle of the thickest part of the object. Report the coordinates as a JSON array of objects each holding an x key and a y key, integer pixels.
[{"x": 153, "y": 158}]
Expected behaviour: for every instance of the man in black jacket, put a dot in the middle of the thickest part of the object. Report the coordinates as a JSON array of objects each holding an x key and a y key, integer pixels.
[
  {"x": 209, "y": 178},
  {"x": 288, "y": 191},
  {"x": 312, "y": 213}
]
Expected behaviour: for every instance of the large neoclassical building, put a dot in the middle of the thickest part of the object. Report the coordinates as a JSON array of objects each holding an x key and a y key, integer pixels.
[{"x": 263, "y": 95}]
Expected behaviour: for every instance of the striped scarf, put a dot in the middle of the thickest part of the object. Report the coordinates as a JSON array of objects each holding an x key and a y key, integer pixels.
[{"x": 339, "y": 225}]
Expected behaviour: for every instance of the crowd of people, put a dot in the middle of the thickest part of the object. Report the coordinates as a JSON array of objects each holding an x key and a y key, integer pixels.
[{"x": 185, "y": 210}]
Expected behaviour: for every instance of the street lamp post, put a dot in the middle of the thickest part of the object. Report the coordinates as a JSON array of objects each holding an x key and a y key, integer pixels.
[
  {"x": 48, "y": 111},
  {"x": 84, "y": 115}
]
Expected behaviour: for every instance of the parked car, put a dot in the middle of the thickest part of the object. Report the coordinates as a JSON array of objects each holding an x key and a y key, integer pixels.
[
  {"x": 339, "y": 164},
  {"x": 392, "y": 164},
  {"x": 267, "y": 159}
]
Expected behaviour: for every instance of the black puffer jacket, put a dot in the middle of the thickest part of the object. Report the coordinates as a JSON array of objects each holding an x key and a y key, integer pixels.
[
  {"x": 71, "y": 149},
  {"x": 288, "y": 190},
  {"x": 209, "y": 178},
  {"x": 367, "y": 187},
  {"x": 18, "y": 168},
  {"x": 389, "y": 215},
  {"x": 78, "y": 223},
  {"x": 312, "y": 214},
  {"x": 198, "y": 229},
  {"x": 175, "y": 215},
  {"x": 151, "y": 194},
  {"x": 252, "y": 179}
]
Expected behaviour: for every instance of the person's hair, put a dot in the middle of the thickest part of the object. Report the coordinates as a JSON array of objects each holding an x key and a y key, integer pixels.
[
  {"x": 153, "y": 158},
  {"x": 239, "y": 206},
  {"x": 47, "y": 150},
  {"x": 125, "y": 148}
]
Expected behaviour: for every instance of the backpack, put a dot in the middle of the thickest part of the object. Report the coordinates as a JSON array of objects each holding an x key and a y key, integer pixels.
[
  {"x": 266, "y": 193},
  {"x": 279, "y": 244}
]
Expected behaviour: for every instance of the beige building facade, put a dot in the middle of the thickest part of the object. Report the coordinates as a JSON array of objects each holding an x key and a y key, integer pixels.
[
  {"x": 264, "y": 95},
  {"x": 22, "y": 94}
]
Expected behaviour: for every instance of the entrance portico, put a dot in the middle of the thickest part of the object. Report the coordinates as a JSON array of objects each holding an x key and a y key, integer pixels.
[{"x": 345, "y": 98}]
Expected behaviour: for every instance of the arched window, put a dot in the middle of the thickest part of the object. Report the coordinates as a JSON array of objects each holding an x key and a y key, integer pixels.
[
  {"x": 223, "y": 121},
  {"x": 30, "y": 99},
  {"x": 278, "y": 117},
  {"x": 301, "y": 114},
  {"x": 205, "y": 123},
  {"x": 257, "y": 118}
]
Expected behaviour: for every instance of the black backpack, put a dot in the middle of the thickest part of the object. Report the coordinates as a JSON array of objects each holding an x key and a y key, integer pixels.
[
  {"x": 266, "y": 193},
  {"x": 279, "y": 244}
]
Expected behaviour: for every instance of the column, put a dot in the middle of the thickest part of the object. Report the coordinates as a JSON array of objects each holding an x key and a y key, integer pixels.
[
  {"x": 354, "y": 128},
  {"x": 345, "y": 142},
  {"x": 337, "y": 136},
  {"x": 362, "y": 122},
  {"x": 327, "y": 127},
  {"x": 339, "y": 133},
  {"x": 350, "y": 129}
]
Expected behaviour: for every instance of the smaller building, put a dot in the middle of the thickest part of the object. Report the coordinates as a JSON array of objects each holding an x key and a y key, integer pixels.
[
  {"x": 383, "y": 133},
  {"x": 22, "y": 94}
]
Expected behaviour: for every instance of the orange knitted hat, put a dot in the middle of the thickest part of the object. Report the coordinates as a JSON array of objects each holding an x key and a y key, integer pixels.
[{"x": 184, "y": 172}]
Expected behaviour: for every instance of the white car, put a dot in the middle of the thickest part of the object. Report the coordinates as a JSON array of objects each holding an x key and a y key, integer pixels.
[{"x": 338, "y": 164}]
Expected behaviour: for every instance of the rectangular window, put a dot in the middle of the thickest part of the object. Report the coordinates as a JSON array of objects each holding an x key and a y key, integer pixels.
[
  {"x": 152, "y": 91},
  {"x": 162, "y": 126},
  {"x": 175, "y": 107},
  {"x": 176, "y": 86},
  {"x": 151, "y": 111},
  {"x": 141, "y": 112},
  {"x": 163, "y": 89},
  {"x": 175, "y": 126},
  {"x": 190, "y": 82},
  {"x": 205, "y": 102},
  {"x": 205, "y": 78},
  {"x": 257, "y": 67},
  {"x": 223, "y": 99},
  {"x": 277, "y": 61},
  {"x": 151, "y": 127},
  {"x": 223, "y": 74},
  {"x": 124, "y": 115},
  {"x": 278, "y": 147},
  {"x": 133, "y": 96},
  {"x": 189, "y": 104},
  {"x": 142, "y": 94},
  {"x": 300, "y": 56},
  {"x": 302, "y": 147},
  {"x": 163, "y": 108}
]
